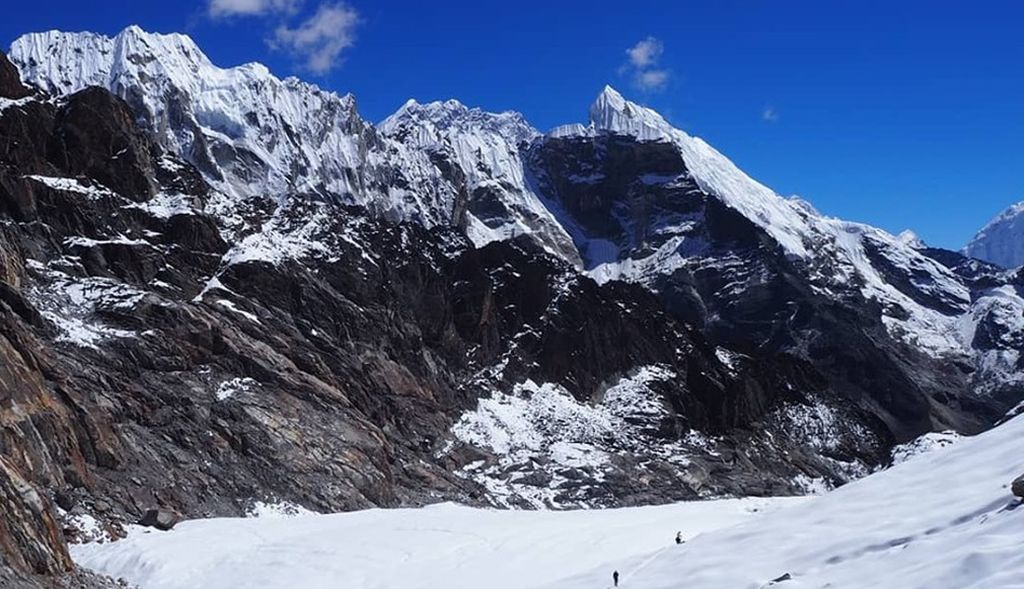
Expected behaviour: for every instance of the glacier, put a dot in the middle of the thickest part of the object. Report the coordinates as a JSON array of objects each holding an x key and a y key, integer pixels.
[{"x": 921, "y": 531}]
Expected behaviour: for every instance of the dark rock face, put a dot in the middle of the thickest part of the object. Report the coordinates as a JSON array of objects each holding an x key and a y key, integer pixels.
[
  {"x": 94, "y": 136},
  {"x": 10, "y": 82},
  {"x": 1017, "y": 487}
]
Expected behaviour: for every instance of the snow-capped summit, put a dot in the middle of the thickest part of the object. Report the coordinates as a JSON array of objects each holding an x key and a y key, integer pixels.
[
  {"x": 612, "y": 113},
  {"x": 468, "y": 132},
  {"x": 61, "y": 62},
  {"x": 442, "y": 115},
  {"x": 1001, "y": 241},
  {"x": 909, "y": 238}
]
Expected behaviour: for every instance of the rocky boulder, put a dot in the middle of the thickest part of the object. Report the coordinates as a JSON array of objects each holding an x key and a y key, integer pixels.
[
  {"x": 161, "y": 519},
  {"x": 1017, "y": 487}
]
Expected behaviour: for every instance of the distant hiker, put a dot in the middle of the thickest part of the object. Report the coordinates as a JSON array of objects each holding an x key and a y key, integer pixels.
[
  {"x": 679, "y": 537},
  {"x": 615, "y": 578}
]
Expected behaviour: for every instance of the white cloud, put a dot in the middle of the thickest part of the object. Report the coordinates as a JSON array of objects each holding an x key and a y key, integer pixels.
[
  {"x": 645, "y": 53},
  {"x": 769, "y": 114},
  {"x": 320, "y": 40},
  {"x": 225, "y": 8},
  {"x": 651, "y": 80},
  {"x": 643, "y": 65}
]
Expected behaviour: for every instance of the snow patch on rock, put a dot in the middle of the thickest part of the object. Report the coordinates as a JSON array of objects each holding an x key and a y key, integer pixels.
[
  {"x": 75, "y": 186},
  {"x": 234, "y": 386},
  {"x": 543, "y": 425},
  {"x": 70, "y": 304},
  {"x": 277, "y": 510},
  {"x": 929, "y": 442}
]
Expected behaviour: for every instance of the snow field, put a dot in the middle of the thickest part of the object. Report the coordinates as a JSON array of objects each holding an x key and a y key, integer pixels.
[
  {"x": 444, "y": 545},
  {"x": 944, "y": 519}
]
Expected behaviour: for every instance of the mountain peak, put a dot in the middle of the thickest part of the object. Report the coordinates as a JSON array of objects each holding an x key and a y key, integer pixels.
[
  {"x": 911, "y": 239},
  {"x": 1001, "y": 240},
  {"x": 63, "y": 62},
  {"x": 610, "y": 95},
  {"x": 612, "y": 113}
]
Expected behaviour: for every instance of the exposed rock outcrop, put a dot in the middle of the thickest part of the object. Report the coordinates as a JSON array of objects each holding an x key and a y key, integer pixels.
[{"x": 30, "y": 537}]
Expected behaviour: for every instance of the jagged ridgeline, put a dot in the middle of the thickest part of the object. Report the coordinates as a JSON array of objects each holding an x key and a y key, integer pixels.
[{"x": 220, "y": 287}]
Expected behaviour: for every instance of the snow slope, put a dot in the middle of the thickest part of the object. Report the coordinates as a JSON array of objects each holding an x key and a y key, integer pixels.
[
  {"x": 945, "y": 519},
  {"x": 1001, "y": 241},
  {"x": 440, "y": 546}
]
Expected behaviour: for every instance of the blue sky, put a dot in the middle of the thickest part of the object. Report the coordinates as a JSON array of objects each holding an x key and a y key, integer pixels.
[{"x": 900, "y": 114}]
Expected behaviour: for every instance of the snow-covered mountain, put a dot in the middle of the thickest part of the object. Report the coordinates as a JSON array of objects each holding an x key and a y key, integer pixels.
[
  {"x": 495, "y": 177},
  {"x": 252, "y": 133},
  {"x": 1001, "y": 241},
  {"x": 643, "y": 202},
  {"x": 609, "y": 313}
]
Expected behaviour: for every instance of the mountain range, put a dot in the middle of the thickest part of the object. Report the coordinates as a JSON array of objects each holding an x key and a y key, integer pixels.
[{"x": 220, "y": 287}]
